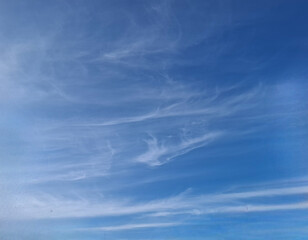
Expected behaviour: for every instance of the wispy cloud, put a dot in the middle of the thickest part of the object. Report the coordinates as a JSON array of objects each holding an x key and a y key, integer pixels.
[
  {"x": 134, "y": 226},
  {"x": 83, "y": 150},
  {"x": 158, "y": 154},
  {"x": 98, "y": 106},
  {"x": 58, "y": 207}
]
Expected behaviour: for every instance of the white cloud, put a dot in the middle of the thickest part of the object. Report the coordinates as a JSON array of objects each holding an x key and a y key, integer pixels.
[
  {"x": 134, "y": 226},
  {"x": 46, "y": 206},
  {"x": 158, "y": 154}
]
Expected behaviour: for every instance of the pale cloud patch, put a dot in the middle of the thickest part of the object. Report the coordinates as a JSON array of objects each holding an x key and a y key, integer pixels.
[
  {"x": 134, "y": 226},
  {"x": 160, "y": 153}
]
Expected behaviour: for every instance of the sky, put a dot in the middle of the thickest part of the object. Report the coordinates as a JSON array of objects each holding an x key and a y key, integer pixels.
[{"x": 153, "y": 120}]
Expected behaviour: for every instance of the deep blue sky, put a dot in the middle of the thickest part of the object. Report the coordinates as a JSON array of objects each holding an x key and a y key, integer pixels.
[{"x": 151, "y": 120}]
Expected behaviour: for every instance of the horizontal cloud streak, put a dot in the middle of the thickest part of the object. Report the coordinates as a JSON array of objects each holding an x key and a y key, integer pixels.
[
  {"x": 133, "y": 226},
  {"x": 40, "y": 207}
]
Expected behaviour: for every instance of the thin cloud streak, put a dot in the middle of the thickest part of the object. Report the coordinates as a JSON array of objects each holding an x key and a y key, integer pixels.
[
  {"x": 245, "y": 208},
  {"x": 39, "y": 207},
  {"x": 133, "y": 226},
  {"x": 222, "y": 108}
]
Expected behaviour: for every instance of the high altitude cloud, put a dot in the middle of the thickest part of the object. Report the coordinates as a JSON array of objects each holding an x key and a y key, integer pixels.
[{"x": 111, "y": 110}]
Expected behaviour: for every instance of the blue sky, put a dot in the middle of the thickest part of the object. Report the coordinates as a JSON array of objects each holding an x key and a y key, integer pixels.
[{"x": 152, "y": 120}]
